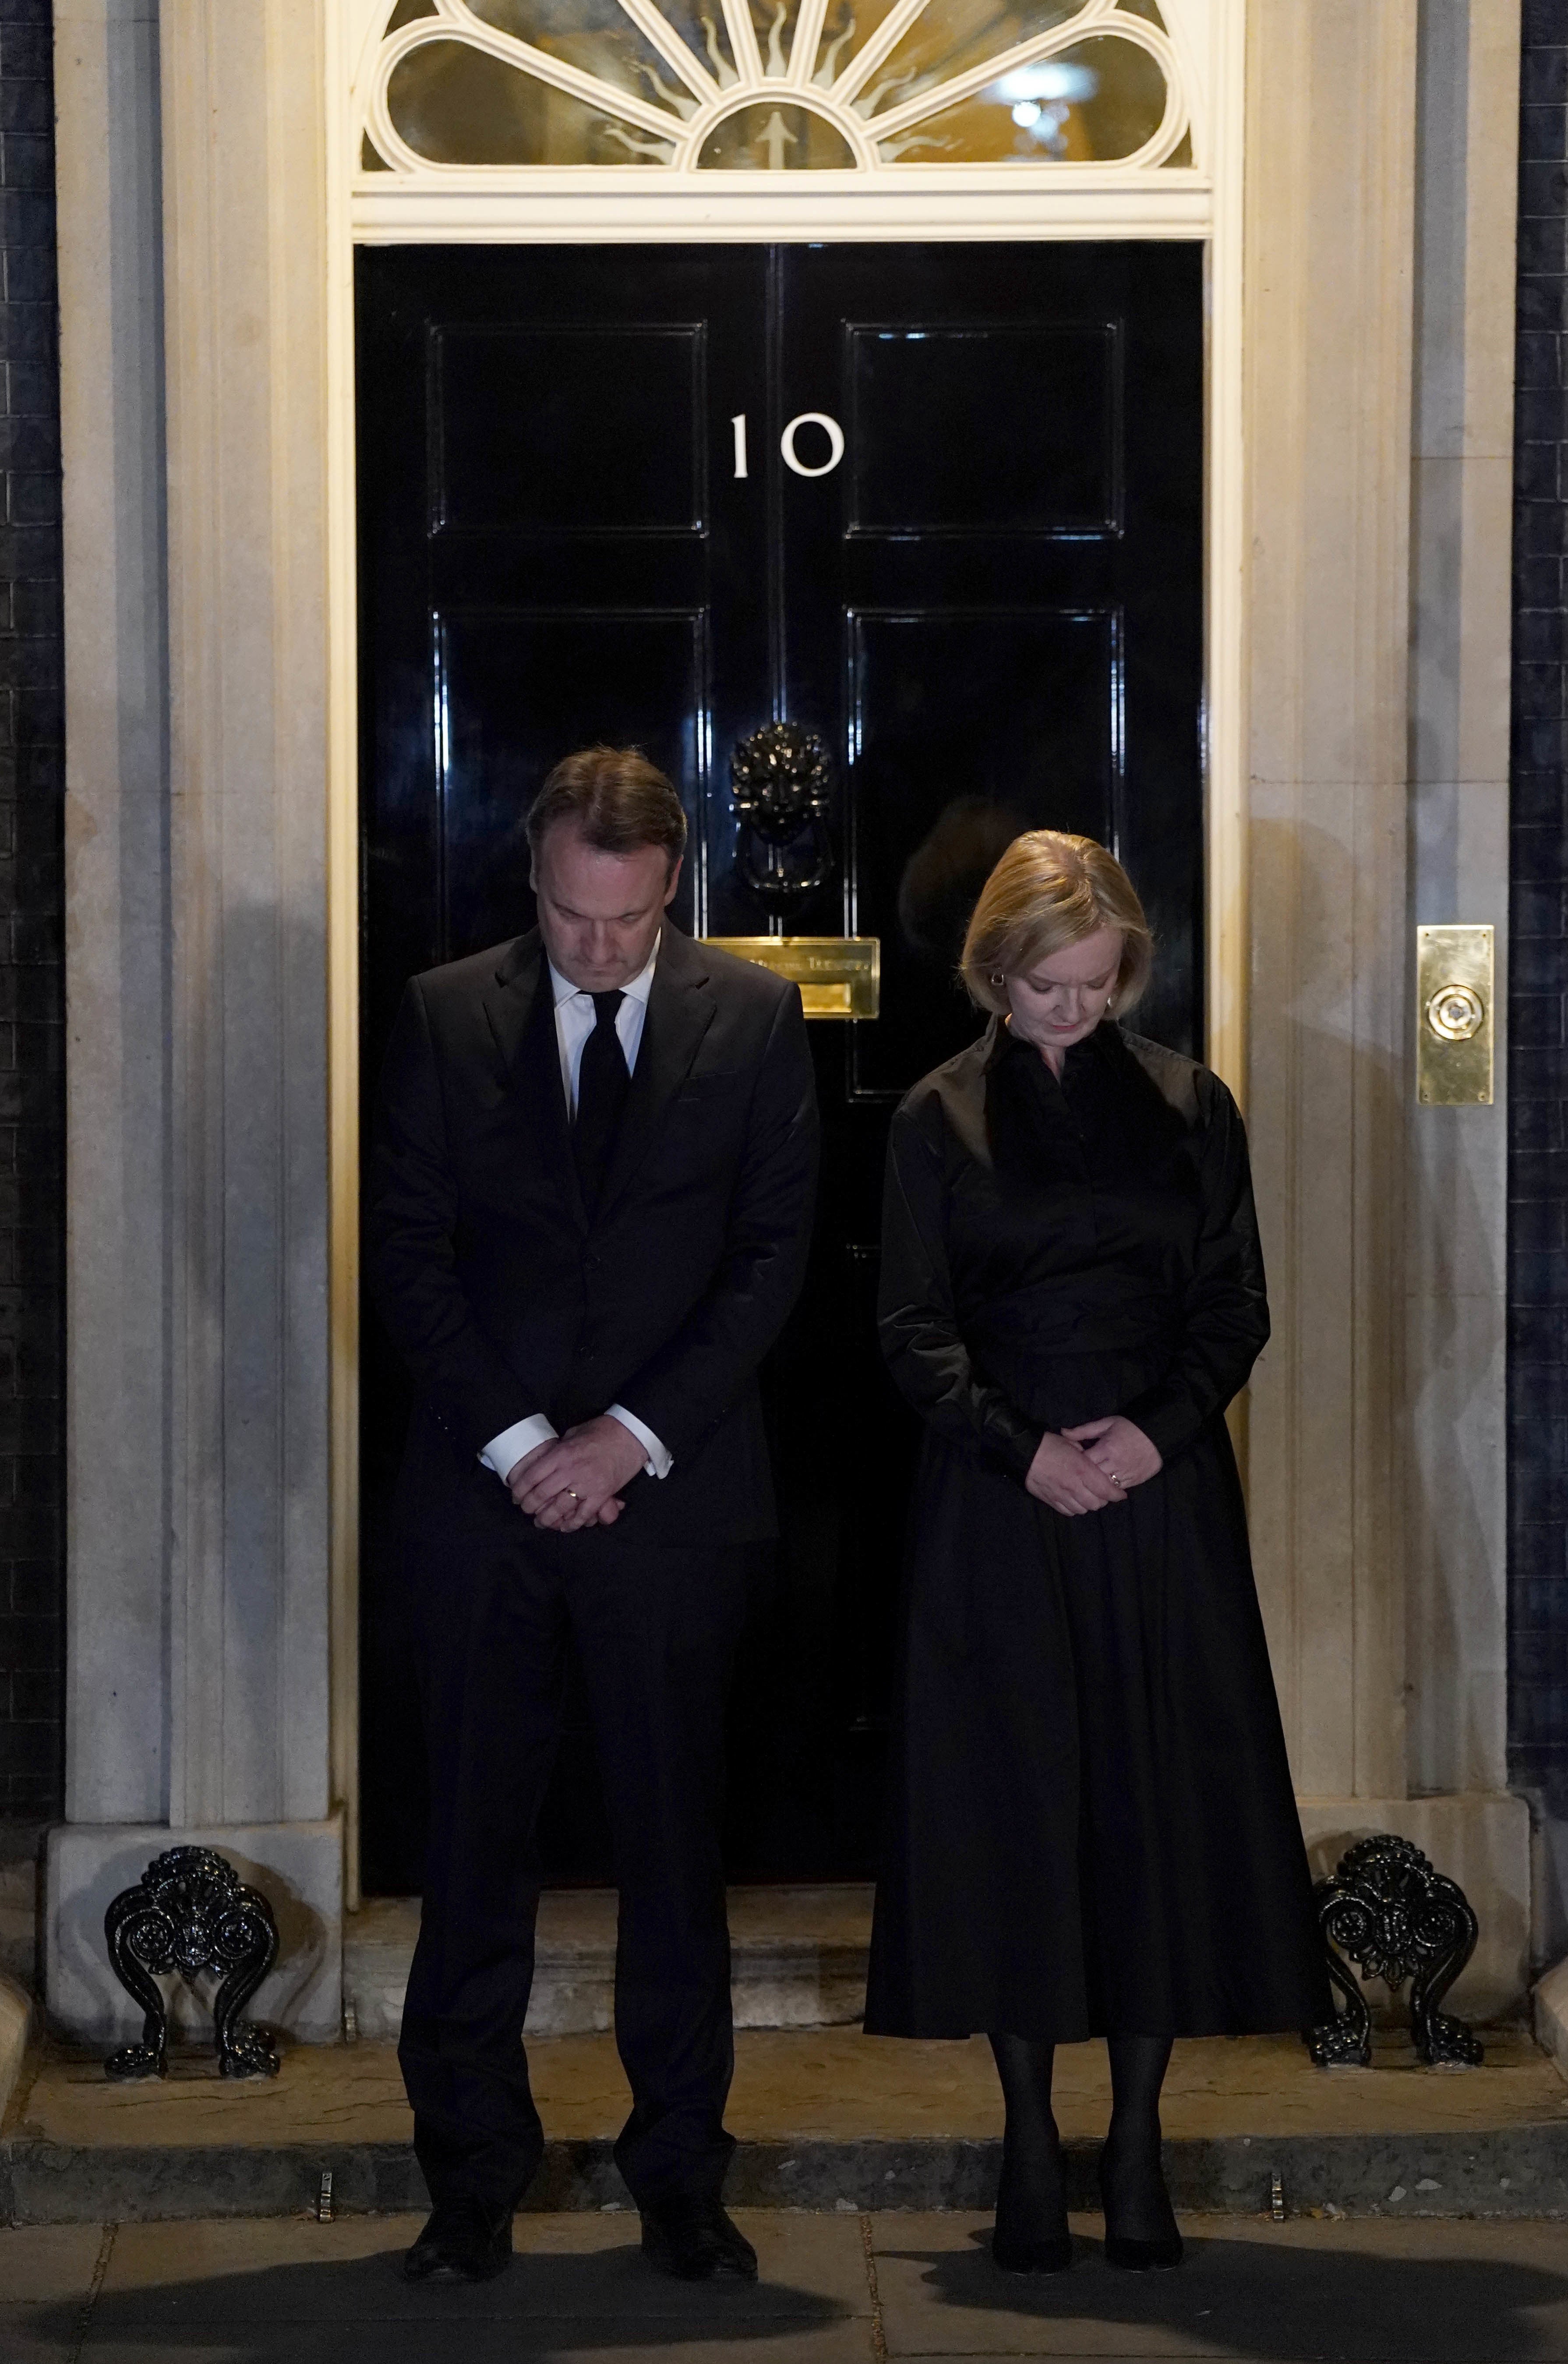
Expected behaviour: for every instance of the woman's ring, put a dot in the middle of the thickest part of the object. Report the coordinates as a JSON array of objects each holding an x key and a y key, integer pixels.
[
  {"x": 1114, "y": 1478},
  {"x": 572, "y": 1497}
]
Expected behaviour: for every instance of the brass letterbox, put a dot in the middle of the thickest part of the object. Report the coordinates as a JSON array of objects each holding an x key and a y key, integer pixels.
[{"x": 838, "y": 976}]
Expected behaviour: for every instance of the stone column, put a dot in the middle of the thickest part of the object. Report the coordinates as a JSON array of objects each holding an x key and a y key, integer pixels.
[
  {"x": 117, "y": 894},
  {"x": 1350, "y": 1200},
  {"x": 200, "y": 1684},
  {"x": 1462, "y": 487}
]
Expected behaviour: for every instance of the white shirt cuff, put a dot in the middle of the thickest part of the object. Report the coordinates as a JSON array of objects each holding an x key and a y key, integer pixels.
[
  {"x": 659, "y": 1463},
  {"x": 503, "y": 1452}
]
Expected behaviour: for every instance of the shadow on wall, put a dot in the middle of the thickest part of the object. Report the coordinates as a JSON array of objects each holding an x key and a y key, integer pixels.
[
  {"x": 254, "y": 1560},
  {"x": 1447, "y": 1341}
]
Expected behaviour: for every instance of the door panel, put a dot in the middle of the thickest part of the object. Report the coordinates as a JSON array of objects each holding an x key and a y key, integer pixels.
[
  {"x": 913, "y": 469},
  {"x": 546, "y": 429},
  {"x": 979, "y": 583},
  {"x": 510, "y": 687},
  {"x": 944, "y": 708},
  {"x": 1072, "y": 377}
]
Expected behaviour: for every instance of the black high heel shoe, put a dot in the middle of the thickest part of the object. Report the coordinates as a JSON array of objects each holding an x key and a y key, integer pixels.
[
  {"x": 1031, "y": 2234},
  {"x": 1052, "y": 2257},
  {"x": 1133, "y": 2254},
  {"x": 1034, "y": 2252}
]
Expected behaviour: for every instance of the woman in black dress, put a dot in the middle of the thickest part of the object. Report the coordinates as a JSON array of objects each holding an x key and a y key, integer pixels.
[{"x": 1092, "y": 1831}]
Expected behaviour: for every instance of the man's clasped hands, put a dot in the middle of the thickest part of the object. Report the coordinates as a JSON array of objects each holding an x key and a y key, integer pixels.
[{"x": 576, "y": 1480}]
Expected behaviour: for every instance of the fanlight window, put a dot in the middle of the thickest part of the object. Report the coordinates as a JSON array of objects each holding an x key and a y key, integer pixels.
[{"x": 774, "y": 85}]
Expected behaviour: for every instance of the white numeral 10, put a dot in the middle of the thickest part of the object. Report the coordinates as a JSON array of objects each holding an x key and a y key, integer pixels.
[{"x": 792, "y": 460}]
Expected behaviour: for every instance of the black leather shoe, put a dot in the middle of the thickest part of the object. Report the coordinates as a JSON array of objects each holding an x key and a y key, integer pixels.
[
  {"x": 1052, "y": 2257},
  {"x": 695, "y": 2241},
  {"x": 463, "y": 2242}
]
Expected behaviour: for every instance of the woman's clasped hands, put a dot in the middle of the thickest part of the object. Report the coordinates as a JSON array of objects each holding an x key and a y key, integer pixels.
[{"x": 1090, "y": 1466}]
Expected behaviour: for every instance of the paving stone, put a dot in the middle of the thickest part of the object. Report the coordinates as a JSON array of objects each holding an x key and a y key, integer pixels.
[
  {"x": 831, "y": 2343},
  {"x": 1365, "y": 2292},
  {"x": 32, "y": 2334},
  {"x": 812, "y": 2271},
  {"x": 801, "y": 2256},
  {"x": 41, "y": 2263},
  {"x": 259, "y": 2343},
  {"x": 492, "y": 2340},
  {"x": 291, "y": 2268}
]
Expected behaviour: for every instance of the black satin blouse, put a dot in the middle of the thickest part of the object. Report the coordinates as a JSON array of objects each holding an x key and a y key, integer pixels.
[{"x": 1056, "y": 1251}]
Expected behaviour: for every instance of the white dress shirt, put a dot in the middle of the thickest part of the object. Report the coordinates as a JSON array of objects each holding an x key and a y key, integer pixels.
[{"x": 575, "y": 1018}]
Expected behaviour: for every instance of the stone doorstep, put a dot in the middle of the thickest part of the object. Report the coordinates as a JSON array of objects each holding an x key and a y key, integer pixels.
[
  {"x": 798, "y": 1959},
  {"x": 825, "y": 2119},
  {"x": 1523, "y": 2173}
]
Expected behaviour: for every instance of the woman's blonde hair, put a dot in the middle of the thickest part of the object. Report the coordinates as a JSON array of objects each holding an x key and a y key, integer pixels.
[{"x": 1048, "y": 891}]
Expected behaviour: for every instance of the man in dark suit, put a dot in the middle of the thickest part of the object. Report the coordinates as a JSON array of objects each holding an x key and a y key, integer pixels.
[{"x": 590, "y": 1202}]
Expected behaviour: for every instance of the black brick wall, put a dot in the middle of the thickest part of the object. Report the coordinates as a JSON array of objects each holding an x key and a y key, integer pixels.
[
  {"x": 1538, "y": 1063},
  {"x": 32, "y": 1112}
]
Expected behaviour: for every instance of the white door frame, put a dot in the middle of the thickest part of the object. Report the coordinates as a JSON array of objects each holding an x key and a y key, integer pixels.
[{"x": 589, "y": 206}]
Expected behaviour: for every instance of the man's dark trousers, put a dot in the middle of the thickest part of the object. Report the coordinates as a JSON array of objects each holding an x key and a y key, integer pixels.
[
  {"x": 508, "y": 1295},
  {"x": 655, "y": 1631}
]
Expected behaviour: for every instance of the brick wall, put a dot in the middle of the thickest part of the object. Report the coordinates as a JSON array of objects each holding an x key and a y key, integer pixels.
[
  {"x": 1538, "y": 1063},
  {"x": 32, "y": 1114}
]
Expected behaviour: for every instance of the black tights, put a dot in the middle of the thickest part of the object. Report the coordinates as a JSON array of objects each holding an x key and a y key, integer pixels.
[
  {"x": 1032, "y": 2203},
  {"x": 1136, "y": 2204}
]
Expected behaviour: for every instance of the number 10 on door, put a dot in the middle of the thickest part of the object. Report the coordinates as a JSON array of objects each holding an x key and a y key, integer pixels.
[{"x": 792, "y": 459}]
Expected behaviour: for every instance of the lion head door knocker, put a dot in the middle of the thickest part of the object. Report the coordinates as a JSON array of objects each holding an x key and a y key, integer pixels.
[
  {"x": 783, "y": 780},
  {"x": 188, "y": 1913},
  {"x": 1388, "y": 1910}
]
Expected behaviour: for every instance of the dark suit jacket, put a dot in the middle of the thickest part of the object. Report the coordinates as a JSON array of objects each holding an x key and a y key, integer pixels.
[{"x": 503, "y": 1295}]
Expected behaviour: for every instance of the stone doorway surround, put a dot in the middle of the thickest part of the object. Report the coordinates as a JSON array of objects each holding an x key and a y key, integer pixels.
[
  {"x": 1382, "y": 198},
  {"x": 1359, "y": 710}
]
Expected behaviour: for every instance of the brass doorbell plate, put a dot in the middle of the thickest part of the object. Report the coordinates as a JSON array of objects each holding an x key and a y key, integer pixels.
[{"x": 1453, "y": 1016}]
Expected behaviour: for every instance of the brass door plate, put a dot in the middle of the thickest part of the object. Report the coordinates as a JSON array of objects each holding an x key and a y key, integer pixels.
[
  {"x": 1453, "y": 1016},
  {"x": 838, "y": 976}
]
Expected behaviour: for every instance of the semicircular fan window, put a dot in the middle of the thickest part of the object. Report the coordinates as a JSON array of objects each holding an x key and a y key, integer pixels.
[{"x": 774, "y": 85}]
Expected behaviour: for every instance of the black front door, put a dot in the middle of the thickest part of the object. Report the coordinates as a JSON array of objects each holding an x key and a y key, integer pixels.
[{"x": 938, "y": 505}]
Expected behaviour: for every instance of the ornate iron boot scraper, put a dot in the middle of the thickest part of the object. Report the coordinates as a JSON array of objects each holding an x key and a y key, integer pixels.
[
  {"x": 1386, "y": 1908},
  {"x": 189, "y": 1913}
]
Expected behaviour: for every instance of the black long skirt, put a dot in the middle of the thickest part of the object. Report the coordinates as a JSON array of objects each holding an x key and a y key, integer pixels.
[{"x": 1092, "y": 1826}]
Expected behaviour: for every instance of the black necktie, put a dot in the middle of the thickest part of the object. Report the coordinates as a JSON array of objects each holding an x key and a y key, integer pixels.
[{"x": 603, "y": 1081}]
